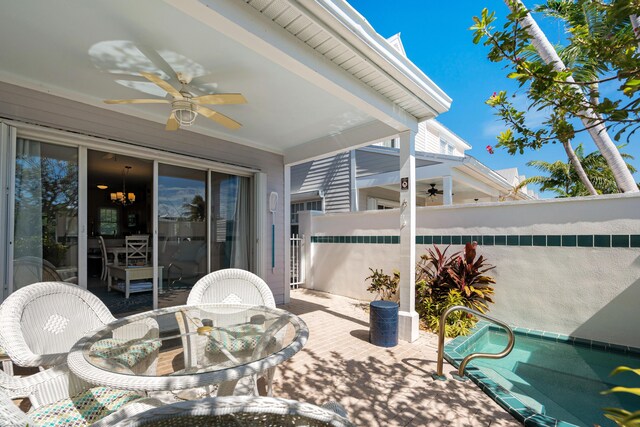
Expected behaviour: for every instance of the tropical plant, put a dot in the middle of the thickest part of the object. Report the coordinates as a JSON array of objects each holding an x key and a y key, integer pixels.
[
  {"x": 622, "y": 417},
  {"x": 384, "y": 285},
  {"x": 561, "y": 178},
  {"x": 460, "y": 279},
  {"x": 458, "y": 322},
  {"x": 602, "y": 48}
]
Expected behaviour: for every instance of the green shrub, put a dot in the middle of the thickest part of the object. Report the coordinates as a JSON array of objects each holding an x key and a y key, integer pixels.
[{"x": 441, "y": 282}]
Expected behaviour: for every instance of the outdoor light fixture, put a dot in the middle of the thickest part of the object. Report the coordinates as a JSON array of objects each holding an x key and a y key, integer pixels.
[
  {"x": 122, "y": 197},
  {"x": 102, "y": 186},
  {"x": 184, "y": 111}
]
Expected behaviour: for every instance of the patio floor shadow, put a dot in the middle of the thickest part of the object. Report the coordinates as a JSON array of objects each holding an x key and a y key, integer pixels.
[{"x": 377, "y": 386}]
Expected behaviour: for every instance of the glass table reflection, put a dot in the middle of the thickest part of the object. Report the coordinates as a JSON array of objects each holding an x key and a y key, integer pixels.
[{"x": 188, "y": 346}]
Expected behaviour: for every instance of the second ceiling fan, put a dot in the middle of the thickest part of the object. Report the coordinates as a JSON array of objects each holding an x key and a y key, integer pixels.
[{"x": 185, "y": 107}]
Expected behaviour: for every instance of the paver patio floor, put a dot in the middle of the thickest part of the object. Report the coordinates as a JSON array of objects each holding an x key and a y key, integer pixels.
[{"x": 377, "y": 386}]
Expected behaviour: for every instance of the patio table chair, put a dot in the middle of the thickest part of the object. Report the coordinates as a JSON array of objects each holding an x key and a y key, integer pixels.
[
  {"x": 137, "y": 250},
  {"x": 96, "y": 407},
  {"x": 233, "y": 286},
  {"x": 41, "y": 323},
  {"x": 241, "y": 411}
]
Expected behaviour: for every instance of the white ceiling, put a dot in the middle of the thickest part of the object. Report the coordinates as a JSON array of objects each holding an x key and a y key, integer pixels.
[{"x": 91, "y": 51}]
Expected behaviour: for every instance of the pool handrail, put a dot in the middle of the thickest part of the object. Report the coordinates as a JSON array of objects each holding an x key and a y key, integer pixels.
[{"x": 472, "y": 356}]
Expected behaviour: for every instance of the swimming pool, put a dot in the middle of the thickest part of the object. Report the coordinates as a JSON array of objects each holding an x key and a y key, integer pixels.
[{"x": 549, "y": 379}]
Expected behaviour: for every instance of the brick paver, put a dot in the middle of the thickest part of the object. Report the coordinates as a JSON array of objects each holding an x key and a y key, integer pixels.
[{"x": 377, "y": 386}]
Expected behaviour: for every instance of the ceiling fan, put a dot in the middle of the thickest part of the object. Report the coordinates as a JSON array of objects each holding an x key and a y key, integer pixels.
[
  {"x": 185, "y": 107},
  {"x": 433, "y": 191}
]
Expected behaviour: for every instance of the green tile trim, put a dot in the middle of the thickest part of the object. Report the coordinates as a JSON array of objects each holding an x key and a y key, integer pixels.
[
  {"x": 534, "y": 240},
  {"x": 602, "y": 241},
  {"x": 539, "y": 240},
  {"x": 585, "y": 241},
  {"x": 553, "y": 240},
  {"x": 620, "y": 241}
]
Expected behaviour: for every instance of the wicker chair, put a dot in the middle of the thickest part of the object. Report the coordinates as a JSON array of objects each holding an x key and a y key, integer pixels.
[
  {"x": 97, "y": 409},
  {"x": 232, "y": 286},
  {"x": 241, "y": 411},
  {"x": 40, "y": 324}
]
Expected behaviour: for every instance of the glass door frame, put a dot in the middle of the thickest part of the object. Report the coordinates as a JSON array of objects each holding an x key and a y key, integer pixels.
[{"x": 11, "y": 130}]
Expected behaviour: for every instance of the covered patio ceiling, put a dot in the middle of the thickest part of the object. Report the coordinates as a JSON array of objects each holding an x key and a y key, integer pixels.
[{"x": 303, "y": 101}]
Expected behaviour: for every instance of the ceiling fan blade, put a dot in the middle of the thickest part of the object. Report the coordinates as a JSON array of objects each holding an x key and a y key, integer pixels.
[
  {"x": 164, "y": 85},
  {"x": 172, "y": 123},
  {"x": 220, "y": 99},
  {"x": 219, "y": 118},
  {"x": 136, "y": 101}
]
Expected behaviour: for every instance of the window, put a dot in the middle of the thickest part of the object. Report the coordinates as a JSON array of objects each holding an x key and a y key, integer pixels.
[
  {"x": 311, "y": 205},
  {"x": 391, "y": 143},
  {"x": 108, "y": 222},
  {"x": 446, "y": 147}
]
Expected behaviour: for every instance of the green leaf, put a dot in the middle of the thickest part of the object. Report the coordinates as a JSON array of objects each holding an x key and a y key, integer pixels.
[
  {"x": 619, "y": 389},
  {"x": 624, "y": 369}
]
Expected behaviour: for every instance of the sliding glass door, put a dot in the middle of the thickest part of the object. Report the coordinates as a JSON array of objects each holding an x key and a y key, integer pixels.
[
  {"x": 231, "y": 230},
  {"x": 182, "y": 231},
  {"x": 45, "y": 232}
]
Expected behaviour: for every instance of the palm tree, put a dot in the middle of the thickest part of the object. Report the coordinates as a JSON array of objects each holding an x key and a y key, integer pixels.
[
  {"x": 561, "y": 178},
  {"x": 590, "y": 120}
]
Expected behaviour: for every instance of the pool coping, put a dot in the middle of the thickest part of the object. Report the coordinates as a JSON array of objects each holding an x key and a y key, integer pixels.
[{"x": 521, "y": 412}]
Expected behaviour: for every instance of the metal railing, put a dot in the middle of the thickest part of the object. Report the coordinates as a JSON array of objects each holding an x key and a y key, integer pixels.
[
  {"x": 471, "y": 356},
  {"x": 297, "y": 273}
]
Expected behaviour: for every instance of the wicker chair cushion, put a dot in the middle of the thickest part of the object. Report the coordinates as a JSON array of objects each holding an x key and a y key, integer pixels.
[
  {"x": 235, "y": 338},
  {"x": 82, "y": 409},
  {"x": 119, "y": 350},
  {"x": 235, "y": 420}
]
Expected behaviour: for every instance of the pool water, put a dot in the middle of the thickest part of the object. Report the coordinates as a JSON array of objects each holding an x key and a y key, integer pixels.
[{"x": 558, "y": 379}]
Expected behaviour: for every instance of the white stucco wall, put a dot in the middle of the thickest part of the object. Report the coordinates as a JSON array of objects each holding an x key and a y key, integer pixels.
[{"x": 589, "y": 292}]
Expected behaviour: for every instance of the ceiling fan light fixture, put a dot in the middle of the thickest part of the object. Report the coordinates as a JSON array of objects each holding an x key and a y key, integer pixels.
[{"x": 185, "y": 112}]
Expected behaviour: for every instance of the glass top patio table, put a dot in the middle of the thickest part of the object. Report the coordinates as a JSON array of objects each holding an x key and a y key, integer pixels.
[{"x": 187, "y": 346}]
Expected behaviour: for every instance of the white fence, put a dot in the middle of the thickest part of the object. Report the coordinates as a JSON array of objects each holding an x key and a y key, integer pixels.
[
  {"x": 297, "y": 268},
  {"x": 570, "y": 266}
]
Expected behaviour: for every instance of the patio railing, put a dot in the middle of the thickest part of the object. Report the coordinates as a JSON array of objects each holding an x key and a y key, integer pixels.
[{"x": 297, "y": 272}]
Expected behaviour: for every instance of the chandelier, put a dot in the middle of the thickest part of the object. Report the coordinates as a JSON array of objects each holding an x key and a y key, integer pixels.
[{"x": 122, "y": 197}]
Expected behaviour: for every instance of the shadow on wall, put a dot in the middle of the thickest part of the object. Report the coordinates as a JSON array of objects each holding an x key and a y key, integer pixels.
[{"x": 615, "y": 320}]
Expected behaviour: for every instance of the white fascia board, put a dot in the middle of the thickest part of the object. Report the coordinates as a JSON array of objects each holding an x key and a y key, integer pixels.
[
  {"x": 356, "y": 30},
  {"x": 338, "y": 142},
  {"x": 452, "y": 136},
  {"x": 489, "y": 176},
  {"x": 422, "y": 155},
  {"x": 391, "y": 178},
  {"x": 480, "y": 185},
  {"x": 242, "y": 23}
]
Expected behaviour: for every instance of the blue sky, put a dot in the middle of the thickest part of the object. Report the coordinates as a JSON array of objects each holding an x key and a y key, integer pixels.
[{"x": 437, "y": 39}]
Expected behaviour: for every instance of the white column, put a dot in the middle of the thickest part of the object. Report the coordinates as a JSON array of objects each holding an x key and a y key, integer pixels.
[
  {"x": 354, "y": 183},
  {"x": 447, "y": 190},
  {"x": 286, "y": 234},
  {"x": 408, "y": 320}
]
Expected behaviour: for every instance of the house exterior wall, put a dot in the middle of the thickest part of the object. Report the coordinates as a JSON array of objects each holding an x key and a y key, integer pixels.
[
  {"x": 21, "y": 104},
  {"x": 568, "y": 266},
  {"x": 331, "y": 176}
]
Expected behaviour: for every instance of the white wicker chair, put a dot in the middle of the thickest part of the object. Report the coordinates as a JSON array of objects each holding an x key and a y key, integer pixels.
[
  {"x": 40, "y": 324},
  {"x": 232, "y": 286},
  {"x": 111, "y": 410},
  {"x": 237, "y": 411}
]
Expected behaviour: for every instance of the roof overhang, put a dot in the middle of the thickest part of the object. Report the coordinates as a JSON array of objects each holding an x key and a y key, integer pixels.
[{"x": 319, "y": 80}]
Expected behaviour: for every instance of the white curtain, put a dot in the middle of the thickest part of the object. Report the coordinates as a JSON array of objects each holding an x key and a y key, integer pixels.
[{"x": 240, "y": 250}]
